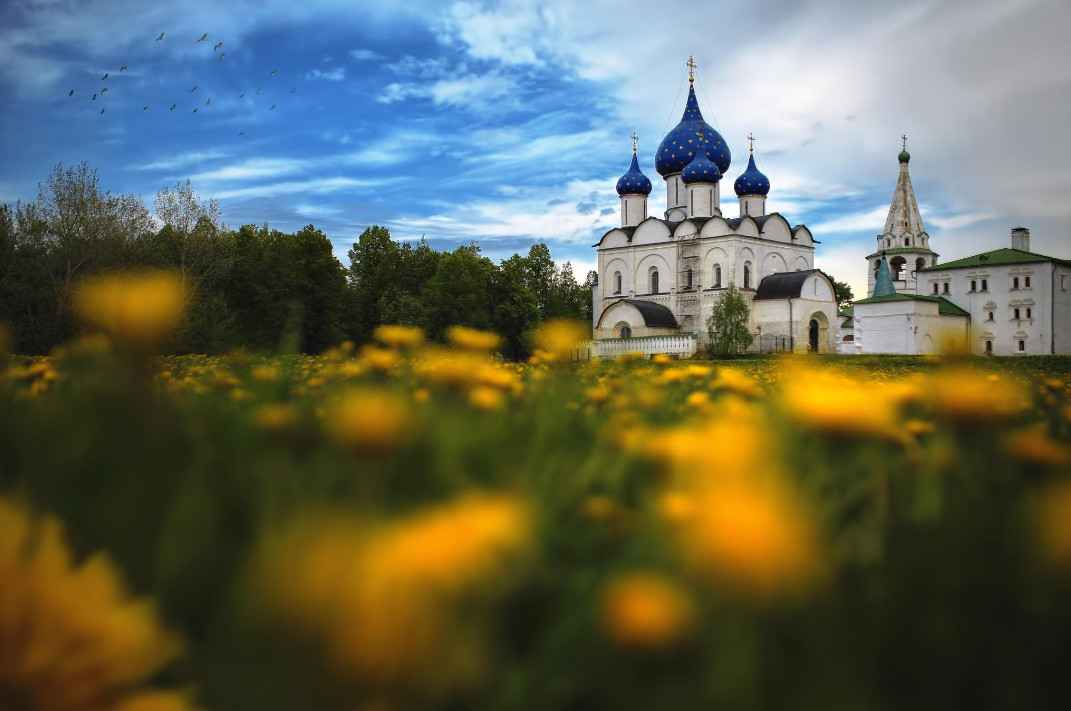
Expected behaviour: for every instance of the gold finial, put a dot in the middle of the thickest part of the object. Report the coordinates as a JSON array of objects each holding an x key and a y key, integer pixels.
[
  {"x": 691, "y": 67},
  {"x": 635, "y": 138},
  {"x": 903, "y": 142},
  {"x": 750, "y": 143}
]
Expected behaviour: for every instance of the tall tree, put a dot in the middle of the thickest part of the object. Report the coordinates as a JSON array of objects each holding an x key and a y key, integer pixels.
[
  {"x": 459, "y": 293},
  {"x": 727, "y": 325},
  {"x": 843, "y": 293}
]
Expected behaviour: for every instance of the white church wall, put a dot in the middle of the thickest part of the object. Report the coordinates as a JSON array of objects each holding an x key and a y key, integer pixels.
[
  {"x": 614, "y": 238},
  {"x": 773, "y": 263},
  {"x": 802, "y": 235},
  {"x": 608, "y": 281},
  {"x": 657, "y": 260},
  {"x": 1061, "y": 309},
  {"x": 776, "y": 228},
  {"x": 748, "y": 227},
  {"x": 621, "y": 314},
  {"x": 650, "y": 232},
  {"x": 714, "y": 227},
  {"x": 711, "y": 260},
  {"x": 909, "y": 327}
]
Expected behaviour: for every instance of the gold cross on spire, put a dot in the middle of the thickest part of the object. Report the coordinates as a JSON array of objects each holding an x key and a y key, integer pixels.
[
  {"x": 903, "y": 142},
  {"x": 691, "y": 67},
  {"x": 635, "y": 138},
  {"x": 750, "y": 143}
]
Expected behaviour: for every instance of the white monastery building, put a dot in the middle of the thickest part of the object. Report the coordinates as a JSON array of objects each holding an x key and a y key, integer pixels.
[
  {"x": 1004, "y": 302},
  {"x": 659, "y": 276}
]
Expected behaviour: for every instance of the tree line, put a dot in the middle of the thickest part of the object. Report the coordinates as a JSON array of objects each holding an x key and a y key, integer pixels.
[{"x": 257, "y": 287}]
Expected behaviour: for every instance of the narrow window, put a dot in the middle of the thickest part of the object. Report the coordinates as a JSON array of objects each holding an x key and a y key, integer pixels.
[
  {"x": 1015, "y": 314},
  {"x": 935, "y": 287},
  {"x": 717, "y": 277},
  {"x": 1022, "y": 346},
  {"x": 944, "y": 288},
  {"x": 1063, "y": 282},
  {"x": 747, "y": 276},
  {"x": 988, "y": 315},
  {"x": 1026, "y": 282},
  {"x": 985, "y": 285},
  {"x": 1015, "y": 282},
  {"x": 907, "y": 241},
  {"x": 1029, "y": 313},
  {"x": 688, "y": 279},
  {"x": 617, "y": 282},
  {"x": 654, "y": 281},
  {"x": 989, "y": 346},
  {"x": 974, "y": 285}
]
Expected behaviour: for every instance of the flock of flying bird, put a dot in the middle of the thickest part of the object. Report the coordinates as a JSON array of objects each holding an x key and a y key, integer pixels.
[{"x": 208, "y": 101}]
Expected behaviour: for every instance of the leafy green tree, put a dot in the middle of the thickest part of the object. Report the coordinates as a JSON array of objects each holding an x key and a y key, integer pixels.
[
  {"x": 727, "y": 325},
  {"x": 843, "y": 293},
  {"x": 459, "y": 293}
]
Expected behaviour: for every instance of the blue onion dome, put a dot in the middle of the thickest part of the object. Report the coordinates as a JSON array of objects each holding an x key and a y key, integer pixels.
[
  {"x": 680, "y": 145},
  {"x": 751, "y": 181},
  {"x": 634, "y": 182},
  {"x": 700, "y": 170}
]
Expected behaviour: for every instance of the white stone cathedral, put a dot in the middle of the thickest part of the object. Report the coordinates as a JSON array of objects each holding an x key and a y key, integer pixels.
[{"x": 659, "y": 276}]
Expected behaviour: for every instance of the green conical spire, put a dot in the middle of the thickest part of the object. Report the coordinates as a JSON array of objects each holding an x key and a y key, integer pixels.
[{"x": 883, "y": 286}]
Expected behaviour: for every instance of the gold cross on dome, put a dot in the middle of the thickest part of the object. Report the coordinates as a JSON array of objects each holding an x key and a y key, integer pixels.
[
  {"x": 635, "y": 138},
  {"x": 903, "y": 142},
  {"x": 691, "y": 67},
  {"x": 750, "y": 143}
]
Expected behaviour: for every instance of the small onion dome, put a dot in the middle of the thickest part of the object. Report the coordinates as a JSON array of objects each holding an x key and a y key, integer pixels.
[
  {"x": 904, "y": 156},
  {"x": 679, "y": 146},
  {"x": 751, "y": 181},
  {"x": 700, "y": 170},
  {"x": 634, "y": 182}
]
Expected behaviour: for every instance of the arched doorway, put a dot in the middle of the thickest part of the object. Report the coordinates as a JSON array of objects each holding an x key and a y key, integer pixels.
[
  {"x": 812, "y": 336},
  {"x": 818, "y": 338}
]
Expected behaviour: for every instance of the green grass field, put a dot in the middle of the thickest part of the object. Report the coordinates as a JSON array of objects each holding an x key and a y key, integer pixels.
[{"x": 424, "y": 527}]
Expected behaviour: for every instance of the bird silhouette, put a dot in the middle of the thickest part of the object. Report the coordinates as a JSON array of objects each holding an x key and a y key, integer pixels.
[
  {"x": 294, "y": 90},
  {"x": 94, "y": 97},
  {"x": 222, "y": 56},
  {"x": 71, "y": 93},
  {"x": 122, "y": 69},
  {"x": 193, "y": 89},
  {"x": 273, "y": 72},
  {"x": 144, "y": 108},
  {"x": 173, "y": 106},
  {"x": 104, "y": 77},
  {"x": 216, "y": 48},
  {"x": 257, "y": 91},
  {"x": 160, "y": 37},
  {"x": 102, "y": 110},
  {"x": 195, "y": 110},
  {"x": 203, "y": 37},
  {"x": 272, "y": 108},
  {"x": 102, "y": 91},
  {"x": 209, "y": 101},
  {"x": 241, "y": 133},
  {"x": 242, "y": 96}
]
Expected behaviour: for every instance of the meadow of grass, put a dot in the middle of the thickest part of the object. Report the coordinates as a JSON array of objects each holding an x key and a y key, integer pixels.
[{"x": 411, "y": 525}]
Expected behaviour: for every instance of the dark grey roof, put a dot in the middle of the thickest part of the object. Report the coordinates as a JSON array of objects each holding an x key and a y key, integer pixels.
[
  {"x": 783, "y": 285},
  {"x": 655, "y": 315}
]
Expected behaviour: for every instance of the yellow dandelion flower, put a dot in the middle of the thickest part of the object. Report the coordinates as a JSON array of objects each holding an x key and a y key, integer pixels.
[
  {"x": 1033, "y": 446},
  {"x": 737, "y": 381},
  {"x": 484, "y": 397},
  {"x": 558, "y": 339},
  {"x": 399, "y": 336},
  {"x": 70, "y": 635},
  {"x": 369, "y": 422},
  {"x": 646, "y": 611},
  {"x": 472, "y": 339},
  {"x": 265, "y": 374},
  {"x": 1052, "y": 518},
  {"x": 379, "y": 359},
  {"x": 661, "y": 359},
  {"x": 839, "y": 405},
  {"x": 139, "y": 310},
  {"x": 966, "y": 396},
  {"x": 275, "y": 418}
]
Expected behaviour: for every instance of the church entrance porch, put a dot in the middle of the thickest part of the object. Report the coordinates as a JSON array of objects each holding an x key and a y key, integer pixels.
[{"x": 818, "y": 333}]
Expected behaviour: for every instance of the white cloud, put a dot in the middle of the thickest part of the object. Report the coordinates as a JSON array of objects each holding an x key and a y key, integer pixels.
[
  {"x": 872, "y": 220},
  {"x": 336, "y": 74},
  {"x": 297, "y": 187}
]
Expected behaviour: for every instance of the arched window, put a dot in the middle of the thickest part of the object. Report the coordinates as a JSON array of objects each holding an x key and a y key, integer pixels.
[
  {"x": 747, "y": 275},
  {"x": 717, "y": 276},
  {"x": 897, "y": 266},
  {"x": 688, "y": 279},
  {"x": 623, "y": 330},
  {"x": 1026, "y": 282},
  {"x": 654, "y": 280},
  {"x": 907, "y": 241},
  {"x": 1015, "y": 282},
  {"x": 617, "y": 282},
  {"x": 1022, "y": 346},
  {"x": 1015, "y": 313}
]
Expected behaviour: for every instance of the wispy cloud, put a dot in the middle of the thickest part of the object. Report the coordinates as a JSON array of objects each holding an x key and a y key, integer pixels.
[
  {"x": 336, "y": 74},
  {"x": 297, "y": 187}
]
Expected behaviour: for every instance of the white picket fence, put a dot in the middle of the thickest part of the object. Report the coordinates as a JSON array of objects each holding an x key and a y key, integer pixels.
[{"x": 681, "y": 346}]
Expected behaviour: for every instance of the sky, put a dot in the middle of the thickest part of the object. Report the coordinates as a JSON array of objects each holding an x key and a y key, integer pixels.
[{"x": 508, "y": 122}]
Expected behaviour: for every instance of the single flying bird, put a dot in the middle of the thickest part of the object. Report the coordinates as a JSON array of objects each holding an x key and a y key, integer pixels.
[
  {"x": 272, "y": 108},
  {"x": 104, "y": 77},
  {"x": 71, "y": 93},
  {"x": 241, "y": 96},
  {"x": 102, "y": 110},
  {"x": 102, "y": 91},
  {"x": 195, "y": 110},
  {"x": 209, "y": 101},
  {"x": 273, "y": 72},
  {"x": 241, "y": 133},
  {"x": 203, "y": 37},
  {"x": 94, "y": 97},
  {"x": 193, "y": 89},
  {"x": 122, "y": 69},
  {"x": 160, "y": 37},
  {"x": 173, "y": 106},
  {"x": 258, "y": 90},
  {"x": 144, "y": 108},
  {"x": 216, "y": 48},
  {"x": 222, "y": 56},
  {"x": 293, "y": 90}
]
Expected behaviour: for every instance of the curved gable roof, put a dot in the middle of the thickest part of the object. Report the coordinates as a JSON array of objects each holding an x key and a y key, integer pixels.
[
  {"x": 783, "y": 285},
  {"x": 654, "y": 315}
]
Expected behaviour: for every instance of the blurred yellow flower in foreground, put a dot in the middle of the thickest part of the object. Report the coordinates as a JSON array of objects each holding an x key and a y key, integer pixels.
[
  {"x": 557, "y": 339},
  {"x": 836, "y": 404},
  {"x": 646, "y": 611},
  {"x": 383, "y": 594},
  {"x": 70, "y": 636},
  {"x": 139, "y": 310},
  {"x": 968, "y": 396},
  {"x": 472, "y": 339},
  {"x": 369, "y": 421},
  {"x": 399, "y": 336},
  {"x": 1033, "y": 446},
  {"x": 1053, "y": 523}
]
